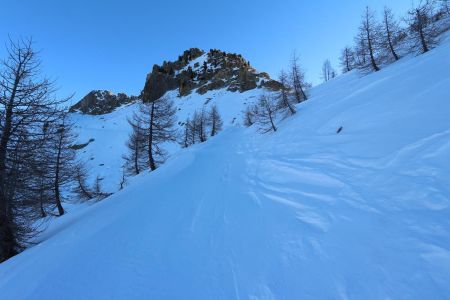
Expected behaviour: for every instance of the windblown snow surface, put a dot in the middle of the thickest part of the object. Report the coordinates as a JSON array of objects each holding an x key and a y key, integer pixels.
[{"x": 303, "y": 213}]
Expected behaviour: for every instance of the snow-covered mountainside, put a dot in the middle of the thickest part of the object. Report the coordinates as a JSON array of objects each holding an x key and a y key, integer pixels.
[
  {"x": 196, "y": 81},
  {"x": 303, "y": 213},
  {"x": 108, "y": 133}
]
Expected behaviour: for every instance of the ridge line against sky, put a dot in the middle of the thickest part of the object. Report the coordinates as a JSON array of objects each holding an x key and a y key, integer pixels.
[{"x": 112, "y": 45}]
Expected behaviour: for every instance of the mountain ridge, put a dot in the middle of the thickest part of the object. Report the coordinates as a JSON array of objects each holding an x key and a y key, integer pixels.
[{"x": 194, "y": 71}]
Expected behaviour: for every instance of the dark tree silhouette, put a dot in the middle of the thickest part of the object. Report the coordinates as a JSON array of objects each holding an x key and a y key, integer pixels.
[
  {"x": 267, "y": 111},
  {"x": 135, "y": 159},
  {"x": 155, "y": 122},
  {"x": 26, "y": 105},
  {"x": 186, "y": 141},
  {"x": 215, "y": 121},
  {"x": 367, "y": 40},
  {"x": 82, "y": 188},
  {"x": 424, "y": 32},
  {"x": 297, "y": 79},
  {"x": 347, "y": 59},
  {"x": 199, "y": 126},
  {"x": 250, "y": 114},
  {"x": 63, "y": 159},
  {"x": 328, "y": 71},
  {"x": 390, "y": 33},
  {"x": 284, "y": 101}
]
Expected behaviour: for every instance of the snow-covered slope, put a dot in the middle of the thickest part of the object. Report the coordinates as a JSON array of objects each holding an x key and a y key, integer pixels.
[
  {"x": 108, "y": 133},
  {"x": 304, "y": 213}
]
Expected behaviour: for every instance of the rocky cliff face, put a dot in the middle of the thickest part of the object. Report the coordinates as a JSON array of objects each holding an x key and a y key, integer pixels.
[
  {"x": 201, "y": 72},
  {"x": 100, "y": 102},
  {"x": 193, "y": 71}
]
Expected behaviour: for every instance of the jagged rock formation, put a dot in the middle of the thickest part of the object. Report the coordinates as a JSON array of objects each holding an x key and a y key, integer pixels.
[
  {"x": 195, "y": 70},
  {"x": 100, "y": 102}
]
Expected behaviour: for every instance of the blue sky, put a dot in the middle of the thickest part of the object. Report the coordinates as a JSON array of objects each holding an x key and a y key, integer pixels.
[{"x": 113, "y": 44}]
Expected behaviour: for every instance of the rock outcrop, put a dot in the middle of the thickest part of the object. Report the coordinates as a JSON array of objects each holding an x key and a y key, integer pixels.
[
  {"x": 201, "y": 72},
  {"x": 100, "y": 102},
  {"x": 193, "y": 71}
]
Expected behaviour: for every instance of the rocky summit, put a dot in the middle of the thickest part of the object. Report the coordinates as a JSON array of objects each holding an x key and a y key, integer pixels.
[
  {"x": 193, "y": 71},
  {"x": 201, "y": 72}
]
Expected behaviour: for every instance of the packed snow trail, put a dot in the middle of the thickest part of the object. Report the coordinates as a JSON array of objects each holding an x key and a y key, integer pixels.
[
  {"x": 303, "y": 213},
  {"x": 232, "y": 220}
]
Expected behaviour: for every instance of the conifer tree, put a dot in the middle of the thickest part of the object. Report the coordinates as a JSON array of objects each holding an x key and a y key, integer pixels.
[
  {"x": 27, "y": 103},
  {"x": 328, "y": 71},
  {"x": 82, "y": 188},
  {"x": 155, "y": 123},
  {"x": 63, "y": 159},
  {"x": 135, "y": 160},
  {"x": 445, "y": 7},
  {"x": 284, "y": 100},
  {"x": 390, "y": 33},
  {"x": 367, "y": 40},
  {"x": 215, "y": 121},
  {"x": 186, "y": 141},
  {"x": 200, "y": 123},
  {"x": 248, "y": 117},
  {"x": 424, "y": 32},
  {"x": 267, "y": 112},
  {"x": 347, "y": 60},
  {"x": 297, "y": 79}
]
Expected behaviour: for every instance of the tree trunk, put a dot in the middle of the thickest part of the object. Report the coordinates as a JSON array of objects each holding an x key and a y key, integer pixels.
[
  {"x": 41, "y": 201},
  {"x": 391, "y": 46},
  {"x": 421, "y": 33},
  {"x": 151, "y": 160},
  {"x": 299, "y": 90},
  {"x": 213, "y": 128},
  {"x": 286, "y": 102},
  {"x": 347, "y": 60},
  {"x": 136, "y": 156},
  {"x": 389, "y": 37},
  {"x": 370, "y": 46},
  {"x": 303, "y": 93},
  {"x": 43, "y": 213},
  {"x": 271, "y": 121},
  {"x": 7, "y": 236},
  {"x": 57, "y": 174}
]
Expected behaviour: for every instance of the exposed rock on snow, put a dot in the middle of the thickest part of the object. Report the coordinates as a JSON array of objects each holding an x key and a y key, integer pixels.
[
  {"x": 100, "y": 102},
  {"x": 194, "y": 70}
]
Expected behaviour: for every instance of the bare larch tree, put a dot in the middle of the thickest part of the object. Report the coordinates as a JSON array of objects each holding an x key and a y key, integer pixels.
[
  {"x": 347, "y": 59},
  {"x": 367, "y": 40},
  {"x": 26, "y": 105},
  {"x": 135, "y": 159},
  {"x": 155, "y": 120},
  {"x": 250, "y": 114},
  {"x": 424, "y": 32},
  {"x": 328, "y": 71},
  {"x": 63, "y": 158},
  {"x": 284, "y": 101},
  {"x": 390, "y": 33},
  {"x": 297, "y": 79},
  {"x": 214, "y": 120},
  {"x": 267, "y": 112}
]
